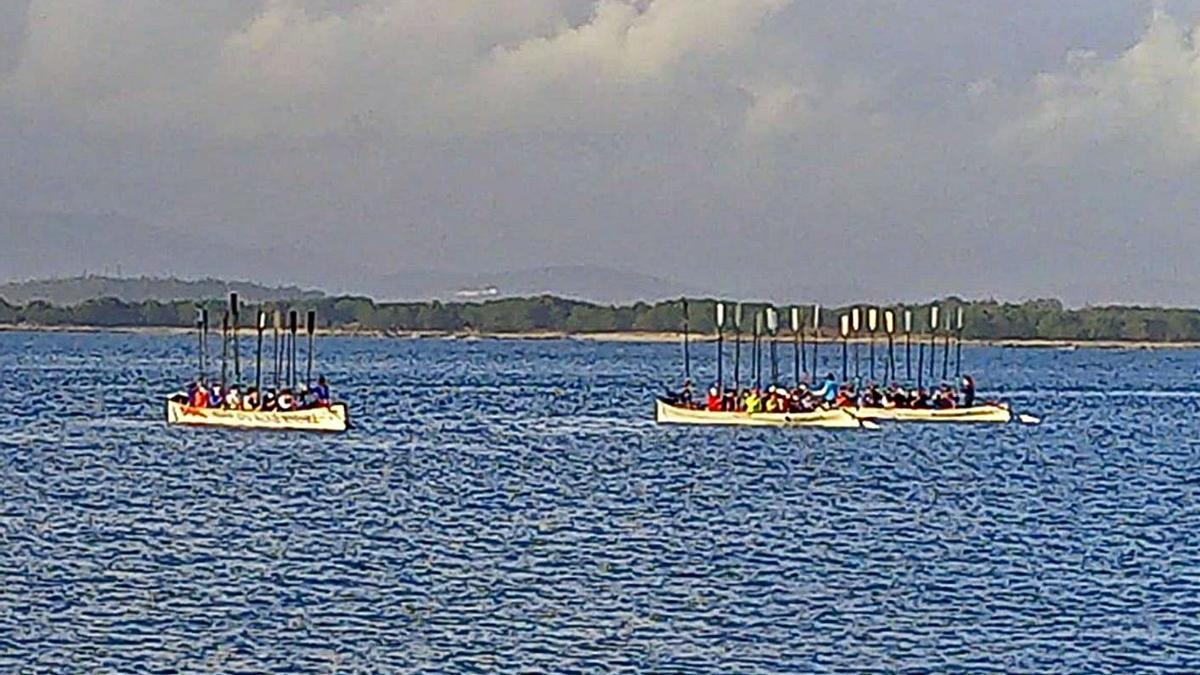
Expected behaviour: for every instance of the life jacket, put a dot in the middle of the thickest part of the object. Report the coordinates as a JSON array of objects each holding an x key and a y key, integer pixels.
[{"x": 200, "y": 399}]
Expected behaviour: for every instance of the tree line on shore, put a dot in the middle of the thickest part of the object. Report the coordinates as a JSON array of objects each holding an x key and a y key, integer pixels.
[{"x": 1034, "y": 319}]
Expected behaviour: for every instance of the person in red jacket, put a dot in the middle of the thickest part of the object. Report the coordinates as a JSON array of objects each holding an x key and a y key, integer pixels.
[
  {"x": 198, "y": 396},
  {"x": 713, "y": 403}
]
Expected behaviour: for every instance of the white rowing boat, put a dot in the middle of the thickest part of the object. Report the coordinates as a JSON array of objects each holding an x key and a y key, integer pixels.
[
  {"x": 834, "y": 418},
  {"x": 333, "y": 418},
  {"x": 991, "y": 413}
]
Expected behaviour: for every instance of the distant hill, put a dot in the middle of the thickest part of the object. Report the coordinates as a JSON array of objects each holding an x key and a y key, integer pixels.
[
  {"x": 74, "y": 290},
  {"x": 41, "y": 245},
  {"x": 581, "y": 282}
]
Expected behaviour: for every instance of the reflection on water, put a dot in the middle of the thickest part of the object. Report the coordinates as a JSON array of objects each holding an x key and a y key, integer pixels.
[{"x": 504, "y": 505}]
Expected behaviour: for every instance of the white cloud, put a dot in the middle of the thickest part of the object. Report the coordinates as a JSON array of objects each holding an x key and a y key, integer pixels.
[
  {"x": 405, "y": 66},
  {"x": 625, "y": 42},
  {"x": 1145, "y": 99}
]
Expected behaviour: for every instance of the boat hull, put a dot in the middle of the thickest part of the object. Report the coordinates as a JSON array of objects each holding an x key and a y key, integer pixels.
[
  {"x": 980, "y": 414},
  {"x": 334, "y": 418},
  {"x": 665, "y": 413}
]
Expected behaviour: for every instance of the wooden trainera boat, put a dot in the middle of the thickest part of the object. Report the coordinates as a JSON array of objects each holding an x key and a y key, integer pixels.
[
  {"x": 333, "y": 418},
  {"x": 833, "y": 418}
]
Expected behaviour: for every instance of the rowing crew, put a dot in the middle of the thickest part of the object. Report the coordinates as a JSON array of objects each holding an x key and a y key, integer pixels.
[
  {"x": 201, "y": 395},
  {"x": 829, "y": 395}
]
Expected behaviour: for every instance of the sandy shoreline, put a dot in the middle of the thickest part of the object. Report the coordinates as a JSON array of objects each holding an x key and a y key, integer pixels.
[{"x": 627, "y": 337}]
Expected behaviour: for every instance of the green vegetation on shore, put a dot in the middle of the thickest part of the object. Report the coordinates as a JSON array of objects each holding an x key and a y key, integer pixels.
[
  {"x": 1037, "y": 319},
  {"x": 75, "y": 290}
]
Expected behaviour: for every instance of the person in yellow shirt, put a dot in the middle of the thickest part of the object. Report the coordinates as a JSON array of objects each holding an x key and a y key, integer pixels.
[{"x": 754, "y": 401}]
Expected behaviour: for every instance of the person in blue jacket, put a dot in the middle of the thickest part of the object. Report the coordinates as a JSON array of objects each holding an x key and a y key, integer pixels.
[
  {"x": 216, "y": 397},
  {"x": 321, "y": 391},
  {"x": 828, "y": 391}
]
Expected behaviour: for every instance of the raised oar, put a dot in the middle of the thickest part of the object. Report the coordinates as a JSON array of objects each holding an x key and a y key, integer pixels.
[
  {"x": 720, "y": 345},
  {"x": 753, "y": 351},
  {"x": 200, "y": 340},
  {"x": 310, "y": 325},
  {"x": 262, "y": 326},
  {"x": 758, "y": 332},
  {"x": 920, "y": 363},
  {"x": 816, "y": 369},
  {"x": 292, "y": 349},
  {"x": 845, "y": 326},
  {"x": 872, "y": 324},
  {"x": 889, "y": 326},
  {"x": 946, "y": 352},
  {"x": 797, "y": 343},
  {"x": 278, "y": 352},
  {"x": 933, "y": 326},
  {"x": 907, "y": 346},
  {"x": 754, "y": 328},
  {"x": 773, "y": 331},
  {"x": 204, "y": 352},
  {"x": 737, "y": 348},
  {"x": 687, "y": 354},
  {"x": 958, "y": 346},
  {"x": 224, "y": 349},
  {"x": 855, "y": 325},
  {"x": 237, "y": 360}
]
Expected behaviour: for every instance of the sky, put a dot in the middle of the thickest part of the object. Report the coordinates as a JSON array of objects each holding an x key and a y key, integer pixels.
[{"x": 869, "y": 150}]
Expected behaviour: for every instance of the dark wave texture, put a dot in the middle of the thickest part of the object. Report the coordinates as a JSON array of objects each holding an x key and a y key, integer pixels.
[{"x": 505, "y": 506}]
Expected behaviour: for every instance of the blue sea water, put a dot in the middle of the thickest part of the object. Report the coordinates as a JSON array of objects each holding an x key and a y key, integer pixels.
[{"x": 511, "y": 506}]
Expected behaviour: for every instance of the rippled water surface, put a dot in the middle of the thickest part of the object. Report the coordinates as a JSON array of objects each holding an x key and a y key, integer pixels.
[{"x": 508, "y": 505}]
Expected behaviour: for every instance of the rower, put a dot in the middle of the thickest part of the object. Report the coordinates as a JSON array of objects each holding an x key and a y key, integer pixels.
[
  {"x": 845, "y": 398},
  {"x": 872, "y": 398},
  {"x": 203, "y": 399},
  {"x": 251, "y": 400},
  {"x": 683, "y": 397},
  {"x": 828, "y": 391},
  {"x": 285, "y": 401},
  {"x": 216, "y": 397},
  {"x": 321, "y": 392},
  {"x": 753, "y": 401},
  {"x": 730, "y": 400},
  {"x": 686, "y": 394},
  {"x": 949, "y": 397},
  {"x": 968, "y": 391},
  {"x": 920, "y": 399},
  {"x": 772, "y": 402},
  {"x": 713, "y": 403}
]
